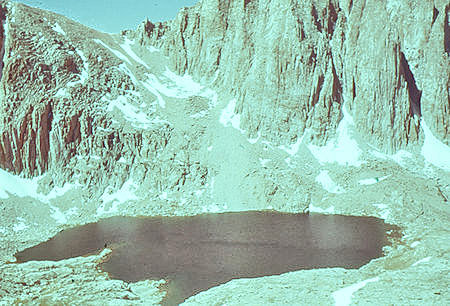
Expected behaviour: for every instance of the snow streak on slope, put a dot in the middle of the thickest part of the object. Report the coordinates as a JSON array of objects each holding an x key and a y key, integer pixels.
[
  {"x": 434, "y": 151},
  {"x": 182, "y": 86},
  {"x": 175, "y": 86},
  {"x": 124, "y": 194},
  {"x": 84, "y": 73},
  {"x": 293, "y": 148},
  {"x": 327, "y": 183},
  {"x": 57, "y": 28},
  {"x": 149, "y": 84},
  {"x": 426, "y": 259},
  {"x": 11, "y": 184},
  {"x": 344, "y": 149},
  {"x": 22, "y": 187},
  {"x": 229, "y": 118},
  {"x": 127, "y": 47},
  {"x": 343, "y": 297},
  {"x": 115, "y": 52},
  {"x": 131, "y": 113},
  {"x": 371, "y": 181}
]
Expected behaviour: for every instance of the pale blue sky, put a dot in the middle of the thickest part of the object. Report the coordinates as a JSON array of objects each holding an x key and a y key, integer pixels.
[{"x": 113, "y": 15}]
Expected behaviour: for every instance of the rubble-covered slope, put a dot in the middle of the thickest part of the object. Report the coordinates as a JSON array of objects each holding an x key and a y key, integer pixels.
[{"x": 294, "y": 64}]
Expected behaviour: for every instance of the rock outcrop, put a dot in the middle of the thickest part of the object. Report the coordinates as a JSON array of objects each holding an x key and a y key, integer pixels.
[
  {"x": 55, "y": 90},
  {"x": 293, "y": 65}
]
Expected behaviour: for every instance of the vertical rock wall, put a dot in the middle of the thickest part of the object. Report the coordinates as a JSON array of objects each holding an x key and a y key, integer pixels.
[{"x": 293, "y": 64}]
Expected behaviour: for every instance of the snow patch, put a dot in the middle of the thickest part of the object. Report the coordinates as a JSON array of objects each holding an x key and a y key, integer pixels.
[
  {"x": 343, "y": 297},
  {"x": 84, "y": 73},
  {"x": 62, "y": 92},
  {"x": 57, "y": 28},
  {"x": 229, "y": 118},
  {"x": 384, "y": 210},
  {"x": 115, "y": 52},
  {"x": 199, "y": 192},
  {"x": 415, "y": 244},
  {"x": 433, "y": 150},
  {"x": 343, "y": 150},
  {"x": 315, "y": 209},
  {"x": 153, "y": 85},
  {"x": 327, "y": 183},
  {"x": 292, "y": 149},
  {"x": 200, "y": 114},
  {"x": 372, "y": 181},
  {"x": 127, "y": 48},
  {"x": 175, "y": 86},
  {"x": 130, "y": 112},
  {"x": 254, "y": 140},
  {"x": 59, "y": 191},
  {"x": 153, "y": 49},
  {"x": 20, "y": 226},
  {"x": 13, "y": 184},
  {"x": 58, "y": 215},
  {"x": 401, "y": 157},
  {"x": 213, "y": 208},
  {"x": 21, "y": 187},
  {"x": 426, "y": 259},
  {"x": 185, "y": 85},
  {"x": 163, "y": 196},
  {"x": 264, "y": 161},
  {"x": 124, "y": 194}
]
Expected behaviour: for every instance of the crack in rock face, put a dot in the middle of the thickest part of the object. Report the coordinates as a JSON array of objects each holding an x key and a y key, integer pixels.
[{"x": 414, "y": 93}]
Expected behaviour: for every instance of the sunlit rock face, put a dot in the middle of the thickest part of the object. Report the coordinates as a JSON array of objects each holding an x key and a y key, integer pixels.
[
  {"x": 73, "y": 105},
  {"x": 293, "y": 64}
]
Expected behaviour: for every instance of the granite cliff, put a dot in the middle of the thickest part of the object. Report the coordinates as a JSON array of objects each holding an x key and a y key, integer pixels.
[{"x": 301, "y": 61}]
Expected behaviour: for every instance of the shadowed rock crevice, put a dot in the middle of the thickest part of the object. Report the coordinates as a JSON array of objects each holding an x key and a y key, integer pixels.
[
  {"x": 332, "y": 18},
  {"x": 415, "y": 94},
  {"x": 315, "y": 97},
  {"x": 337, "y": 87},
  {"x": 316, "y": 19},
  {"x": 44, "y": 137},
  {"x": 247, "y": 2},
  {"x": 2, "y": 37},
  {"x": 435, "y": 15},
  {"x": 447, "y": 30},
  {"x": 353, "y": 88}
]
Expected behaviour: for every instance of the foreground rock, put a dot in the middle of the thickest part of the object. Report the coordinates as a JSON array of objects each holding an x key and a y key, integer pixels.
[{"x": 76, "y": 280}]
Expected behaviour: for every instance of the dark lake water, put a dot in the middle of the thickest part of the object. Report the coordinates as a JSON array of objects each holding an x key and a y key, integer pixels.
[{"x": 199, "y": 252}]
